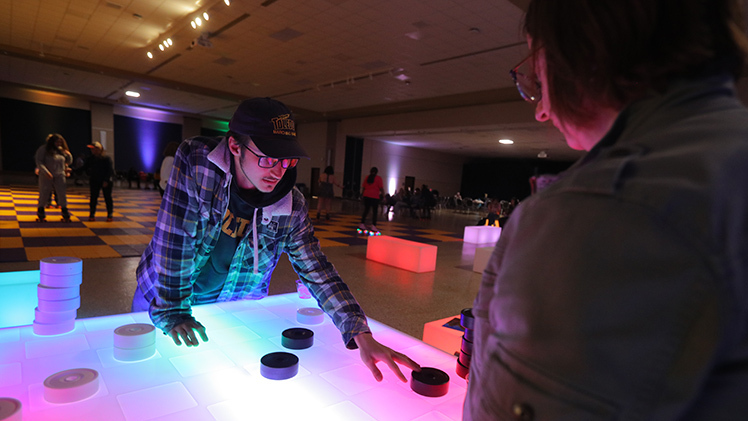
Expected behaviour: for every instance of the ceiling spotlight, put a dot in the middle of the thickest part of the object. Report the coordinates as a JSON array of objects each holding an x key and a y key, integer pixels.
[
  {"x": 194, "y": 25},
  {"x": 506, "y": 141},
  {"x": 542, "y": 154},
  {"x": 170, "y": 42},
  {"x": 161, "y": 47},
  {"x": 228, "y": 2},
  {"x": 149, "y": 54},
  {"x": 198, "y": 21},
  {"x": 205, "y": 16},
  {"x": 132, "y": 94}
]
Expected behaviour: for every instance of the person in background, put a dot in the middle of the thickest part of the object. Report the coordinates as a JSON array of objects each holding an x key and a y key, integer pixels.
[
  {"x": 169, "y": 151},
  {"x": 100, "y": 171},
  {"x": 52, "y": 160},
  {"x": 620, "y": 291},
  {"x": 428, "y": 201},
  {"x": 79, "y": 172},
  {"x": 372, "y": 190},
  {"x": 326, "y": 192},
  {"x": 230, "y": 210},
  {"x": 494, "y": 214}
]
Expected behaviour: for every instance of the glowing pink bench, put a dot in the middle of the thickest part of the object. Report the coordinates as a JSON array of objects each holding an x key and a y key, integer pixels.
[
  {"x": 403, "y": 254},
  {"x": 481, "y": 234}
]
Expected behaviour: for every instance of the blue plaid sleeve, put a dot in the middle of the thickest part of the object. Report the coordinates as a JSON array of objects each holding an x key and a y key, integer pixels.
[
  {"x": 321, "y": 277},
  {"x": 169, "y": 261}
]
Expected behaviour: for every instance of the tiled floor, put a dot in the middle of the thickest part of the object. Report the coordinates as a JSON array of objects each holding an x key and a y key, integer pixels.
[
  {"x": 22, "y": 238},
  {"x": 110, "y": 252}
]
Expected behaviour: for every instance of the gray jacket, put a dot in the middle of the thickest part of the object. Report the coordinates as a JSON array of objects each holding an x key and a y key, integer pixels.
[{"x": 621, "y": 291}]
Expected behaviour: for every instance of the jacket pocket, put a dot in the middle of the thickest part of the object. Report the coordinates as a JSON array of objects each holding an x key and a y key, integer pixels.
[{"x": 510, "y": 389}]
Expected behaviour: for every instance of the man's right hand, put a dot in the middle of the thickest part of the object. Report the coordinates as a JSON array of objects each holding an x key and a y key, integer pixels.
[{"x": 186, "y": 331}]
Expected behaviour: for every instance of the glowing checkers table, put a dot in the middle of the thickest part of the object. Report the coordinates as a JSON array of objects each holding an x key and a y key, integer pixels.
[{"x": 221, "y": 379}]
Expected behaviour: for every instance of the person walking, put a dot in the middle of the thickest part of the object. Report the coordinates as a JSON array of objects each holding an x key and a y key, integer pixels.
[
  {"x": 372, "y": 191},
  {"x": 101, "y": 174},
  {"x": 52, "y": 159},
  {"x": 168, "y": 162},
  {"x": 326, "y": 192}
]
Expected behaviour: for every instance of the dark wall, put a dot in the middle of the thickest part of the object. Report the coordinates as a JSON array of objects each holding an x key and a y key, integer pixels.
[
  {"x": 354, "y": 152},
  {"x": 504, "y": 178},
  {"x": 204, "y": 131},
  {"x": 139, "y": 144},
  {"x": 25, "y": 125}
]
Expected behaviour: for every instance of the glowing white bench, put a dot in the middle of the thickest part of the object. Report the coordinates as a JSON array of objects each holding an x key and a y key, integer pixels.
[
  {"x": 481, "y": 234},
  {"x": 482, "y": 255},
  {"x": 404, "y": 254}
]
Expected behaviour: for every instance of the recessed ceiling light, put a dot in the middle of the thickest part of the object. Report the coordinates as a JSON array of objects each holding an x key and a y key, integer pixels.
[
  {"x": 132, "y": 94},
  {"x": 506, "y": 141}
]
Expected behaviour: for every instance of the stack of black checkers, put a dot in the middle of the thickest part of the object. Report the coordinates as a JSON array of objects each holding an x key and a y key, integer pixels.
[
  {"x": 467, "y": 321},
  {"x": 297, "y": 338},
  {"x": 430, "y": 382},
  {"x": 59, "y": 295},
  {"x": 279, "y": 365},
  {"x": 284, "y": 365}
]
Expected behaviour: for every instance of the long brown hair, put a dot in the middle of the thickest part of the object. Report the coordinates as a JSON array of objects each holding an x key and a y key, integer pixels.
[
  {"x": 612, "y": 52},
  {"x": 52, "y": 139}
]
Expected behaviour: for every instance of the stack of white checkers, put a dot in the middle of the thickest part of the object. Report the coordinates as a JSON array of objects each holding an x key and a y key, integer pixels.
[
  {"x": 59, "y": 295},
  {"x": 134, "y": 342}
]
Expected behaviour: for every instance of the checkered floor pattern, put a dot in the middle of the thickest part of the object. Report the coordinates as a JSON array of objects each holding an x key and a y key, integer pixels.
[{"x": 24, "y": 239}]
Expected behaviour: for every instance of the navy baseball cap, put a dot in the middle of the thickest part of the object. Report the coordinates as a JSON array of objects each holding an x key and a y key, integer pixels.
[{"x": 270, "y": 125}]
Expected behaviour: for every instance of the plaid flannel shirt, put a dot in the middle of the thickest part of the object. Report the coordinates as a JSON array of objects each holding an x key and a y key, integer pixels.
[{"x": 188, "y": 228}]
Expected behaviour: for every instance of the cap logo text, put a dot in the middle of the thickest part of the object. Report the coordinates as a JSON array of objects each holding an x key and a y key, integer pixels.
[{"x": 284, "y": 125}]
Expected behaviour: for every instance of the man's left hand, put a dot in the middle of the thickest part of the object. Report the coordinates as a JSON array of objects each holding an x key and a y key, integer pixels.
[{"x": 373, "y": 352}]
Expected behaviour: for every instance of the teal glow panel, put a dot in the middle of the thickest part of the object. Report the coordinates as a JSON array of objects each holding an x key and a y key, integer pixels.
[{"x": 18, "y": 297}]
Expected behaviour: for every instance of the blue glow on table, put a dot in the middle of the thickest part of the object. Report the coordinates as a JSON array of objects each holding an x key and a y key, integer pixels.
[{"x": 18, "y": 297}]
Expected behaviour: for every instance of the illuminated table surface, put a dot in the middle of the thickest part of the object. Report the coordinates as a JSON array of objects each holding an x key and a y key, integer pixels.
[{"x": 220, "y": 379}]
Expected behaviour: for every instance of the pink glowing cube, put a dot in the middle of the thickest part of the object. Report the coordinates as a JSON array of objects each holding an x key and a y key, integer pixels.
[
  {"x": 404, "y": 254},
  {"x": 481, "y": 234}
]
